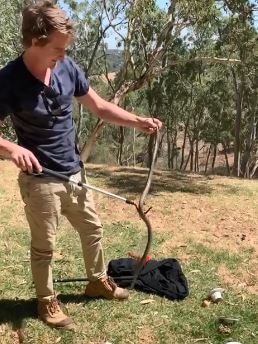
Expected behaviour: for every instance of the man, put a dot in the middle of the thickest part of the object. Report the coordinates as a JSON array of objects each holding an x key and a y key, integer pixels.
[{"x": 37, "y": 89}]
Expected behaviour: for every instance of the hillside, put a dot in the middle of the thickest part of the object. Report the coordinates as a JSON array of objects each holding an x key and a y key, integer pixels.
[
  {"x": 216, "y": 211},
  {"x": 209, "y": 224}
]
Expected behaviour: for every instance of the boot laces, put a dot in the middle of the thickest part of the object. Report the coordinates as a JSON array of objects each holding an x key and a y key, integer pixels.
[
  {"x": 111, "y": 283},
  {"x": 53, "y": 306}
]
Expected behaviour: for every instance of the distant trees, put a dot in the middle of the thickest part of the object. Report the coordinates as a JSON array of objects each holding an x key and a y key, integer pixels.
[{"x": 192, "y": 64}]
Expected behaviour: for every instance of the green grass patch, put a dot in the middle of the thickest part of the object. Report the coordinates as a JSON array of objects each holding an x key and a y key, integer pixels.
[
  {"x": 99, "y": 321},
  {"x": 162, "y": 321}
]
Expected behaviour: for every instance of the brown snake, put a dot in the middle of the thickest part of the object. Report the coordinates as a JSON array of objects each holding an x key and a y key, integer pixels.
[{"x": 143, "y": 213}]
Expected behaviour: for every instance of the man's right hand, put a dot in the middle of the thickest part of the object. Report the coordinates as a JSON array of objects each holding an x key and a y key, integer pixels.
[
  {"x": 25, "y": 160},
  {"x": 21, "y": 157}
]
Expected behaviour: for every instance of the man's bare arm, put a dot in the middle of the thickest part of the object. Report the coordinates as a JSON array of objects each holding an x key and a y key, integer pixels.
[
  {"x": 112, "y": 113},
  {"x": 21, "y": 157}
]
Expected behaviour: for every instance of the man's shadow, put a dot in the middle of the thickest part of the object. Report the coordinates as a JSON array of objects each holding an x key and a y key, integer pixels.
[{"x": 16, "y": 311}]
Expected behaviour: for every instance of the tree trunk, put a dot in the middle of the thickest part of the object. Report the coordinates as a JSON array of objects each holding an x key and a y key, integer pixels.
[
  {"x": 226, "y": 158},
  {"x": 90, "y": 143},
  {"x": 134, "y": 156},
  {"x": 207, "y": 160},
  {"x": 214, "y": 158},
  {"x": 183, "y": 145},
  {"x": 187, "y": 161},
  {"x": 238, "y": 120},
  {"x": 196, "y": 158},
  {"x": 169, "y": 149},
  {"x": 174, "y": 153},
  {"x": 121, "y": 146},
  {"x": 254, "y": 170},
  {"x": 248, "y": 153},
  {"x": 191, "y": 154}
]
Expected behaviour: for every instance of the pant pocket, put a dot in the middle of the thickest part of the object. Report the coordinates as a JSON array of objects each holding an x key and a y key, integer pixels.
[{"x": 24, "y": 185}]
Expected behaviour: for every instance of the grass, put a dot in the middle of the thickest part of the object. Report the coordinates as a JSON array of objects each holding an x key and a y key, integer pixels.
[{"x": 201, "y": 227}]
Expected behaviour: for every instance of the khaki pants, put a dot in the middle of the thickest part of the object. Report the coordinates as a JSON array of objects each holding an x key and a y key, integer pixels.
[{"x": 46, "y": 198}]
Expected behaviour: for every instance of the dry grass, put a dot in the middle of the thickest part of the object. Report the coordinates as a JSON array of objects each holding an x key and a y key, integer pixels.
[{"x": 209, "y": 224}]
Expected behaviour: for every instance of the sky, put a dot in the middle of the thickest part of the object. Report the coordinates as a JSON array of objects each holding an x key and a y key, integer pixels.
[{"x": 161, "y": 3}]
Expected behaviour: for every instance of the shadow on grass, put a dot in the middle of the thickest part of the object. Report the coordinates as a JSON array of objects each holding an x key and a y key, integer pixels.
[
  {"x": 133, "y": 180},
  {"x": 15, "y": 312}
]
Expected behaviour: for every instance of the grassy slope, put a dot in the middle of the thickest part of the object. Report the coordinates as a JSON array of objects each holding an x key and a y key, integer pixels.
[{"x": 209, "y": 224}]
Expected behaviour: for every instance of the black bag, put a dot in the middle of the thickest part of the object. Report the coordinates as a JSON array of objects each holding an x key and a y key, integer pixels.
[{"x": 163, "y": 278}]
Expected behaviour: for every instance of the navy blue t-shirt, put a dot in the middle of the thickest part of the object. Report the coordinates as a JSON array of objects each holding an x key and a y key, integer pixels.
[{"x": 41, "y": 115}]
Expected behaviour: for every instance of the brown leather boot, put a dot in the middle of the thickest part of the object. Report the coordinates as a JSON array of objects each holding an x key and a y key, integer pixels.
[
  {"x": 50, "y": 313},
  {"x": 107, "y": 288}
]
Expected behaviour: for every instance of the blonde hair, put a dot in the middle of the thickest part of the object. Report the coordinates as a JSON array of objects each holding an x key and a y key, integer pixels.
[{"x": 42, "y": 18}]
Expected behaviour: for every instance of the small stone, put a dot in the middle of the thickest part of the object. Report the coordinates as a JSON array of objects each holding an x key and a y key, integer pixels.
[{"x": 206, "y": 303}]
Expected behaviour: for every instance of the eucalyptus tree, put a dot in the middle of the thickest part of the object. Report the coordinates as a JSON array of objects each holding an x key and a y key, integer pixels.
[
  {"x": 205, "y": 43},
  {"x": 142, "y": 48},
  {"x": 148, "y": 34},
  {"x": 149, "y": 31},
  {"x": 219, "y": 123},
  {"x": 179, "y": 92},
  {"x": 238, "y": 35}
]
